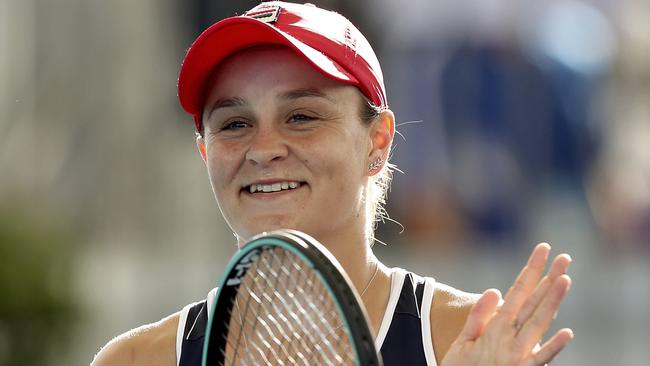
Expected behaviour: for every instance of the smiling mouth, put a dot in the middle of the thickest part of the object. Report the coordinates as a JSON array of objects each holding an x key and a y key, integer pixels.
[{"x": 274, "y": 187}]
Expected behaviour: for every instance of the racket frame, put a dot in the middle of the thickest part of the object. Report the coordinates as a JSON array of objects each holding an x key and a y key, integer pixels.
[{"x": 325, "y": 265}]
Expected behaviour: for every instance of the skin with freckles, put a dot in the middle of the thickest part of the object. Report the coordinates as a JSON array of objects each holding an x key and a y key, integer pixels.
[{"x": 273, "y": 123}]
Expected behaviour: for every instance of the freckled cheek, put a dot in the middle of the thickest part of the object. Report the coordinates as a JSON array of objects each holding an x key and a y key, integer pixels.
[{"x": 221, "y": 175}]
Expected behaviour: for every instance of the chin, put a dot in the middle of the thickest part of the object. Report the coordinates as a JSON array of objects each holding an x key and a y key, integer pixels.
[{"x": 269, "y": 225}]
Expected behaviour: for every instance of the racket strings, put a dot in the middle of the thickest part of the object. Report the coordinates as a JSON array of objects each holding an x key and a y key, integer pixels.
[
  {"x": 295, "y": 293},
  {"x": 320, "y": 318},
  {"x": 283, "y": 315},
  {"x": 255, "y": 287},
  {"x": 268, "y": 349},
  {"x": 274, "y": 280},
  {"x": 307, "y": 290},
  {"x": 292, "y": 329},
  {"x": 240, "y": 335}
]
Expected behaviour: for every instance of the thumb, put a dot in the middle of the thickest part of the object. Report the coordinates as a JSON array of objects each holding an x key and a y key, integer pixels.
[{"x": 479, "y": 315}]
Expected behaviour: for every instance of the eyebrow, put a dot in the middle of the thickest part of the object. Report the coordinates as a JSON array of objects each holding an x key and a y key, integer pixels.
[
  {"x": 290, "y": 95},
  {"x": 226, "y": 103},
  {"x": 306, "y": 93}
]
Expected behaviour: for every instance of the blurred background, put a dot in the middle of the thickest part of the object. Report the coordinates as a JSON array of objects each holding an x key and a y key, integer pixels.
[{"x": 519, "y": 122}]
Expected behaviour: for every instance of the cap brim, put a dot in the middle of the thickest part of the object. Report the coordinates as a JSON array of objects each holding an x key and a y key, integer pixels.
[{"x": 230, "y": 36}]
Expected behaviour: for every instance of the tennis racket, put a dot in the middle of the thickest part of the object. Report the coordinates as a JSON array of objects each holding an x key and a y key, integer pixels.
[{"x": 285, "y": 300}]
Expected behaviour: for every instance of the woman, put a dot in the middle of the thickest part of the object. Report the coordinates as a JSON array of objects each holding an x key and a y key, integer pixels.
[{"x": 295, "y": 131}]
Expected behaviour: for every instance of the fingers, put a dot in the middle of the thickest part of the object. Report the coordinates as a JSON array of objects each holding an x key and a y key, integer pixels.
[
  {"x": 535, "y": 327},
  {"x": 479, "y": 315},
  {"x": 551, "y": 348},
  {"x": 512, "y": 330},
  {"x": 559, "y": 267},
  {"x": 526, "y": 281}
]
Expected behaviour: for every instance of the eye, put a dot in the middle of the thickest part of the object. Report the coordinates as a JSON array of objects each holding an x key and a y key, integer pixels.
[
  {"x": 301, "y": 118},
  {"x": 234, "y": 125}
]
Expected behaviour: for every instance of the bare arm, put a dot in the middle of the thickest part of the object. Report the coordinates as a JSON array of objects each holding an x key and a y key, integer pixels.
[
  {"x": 152, "y": 344},
  {"x": 449, "y": 311}
]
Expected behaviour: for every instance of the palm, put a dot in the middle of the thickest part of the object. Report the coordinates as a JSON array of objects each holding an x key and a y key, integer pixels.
[{"x": 509, "y": 334}]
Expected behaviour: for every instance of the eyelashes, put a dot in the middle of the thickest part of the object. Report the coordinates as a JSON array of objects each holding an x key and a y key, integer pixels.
[
  {"x": 301, "y": 118},
  {"x": 234, "y": 125}
]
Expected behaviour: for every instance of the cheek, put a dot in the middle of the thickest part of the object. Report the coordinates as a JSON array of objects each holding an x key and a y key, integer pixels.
[
  {"x": 222, "y": 156},
  {"x": 346, "y": 175},
  {"x": 221, "y": 169},
  {"x": 215, "y": 171},
  {"x": 346, "y": 169}
]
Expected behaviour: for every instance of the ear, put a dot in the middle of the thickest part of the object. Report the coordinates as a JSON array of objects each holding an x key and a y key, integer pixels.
[
  {"x": 381, "y": 134},
  {"x": 200, "y": 144}
]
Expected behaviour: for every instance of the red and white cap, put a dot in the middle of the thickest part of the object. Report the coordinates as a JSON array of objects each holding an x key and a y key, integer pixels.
[{"x": 325, "y": 39}]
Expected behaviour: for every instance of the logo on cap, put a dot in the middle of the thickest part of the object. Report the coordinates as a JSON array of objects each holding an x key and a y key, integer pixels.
[{"x": 264, "y": 13}]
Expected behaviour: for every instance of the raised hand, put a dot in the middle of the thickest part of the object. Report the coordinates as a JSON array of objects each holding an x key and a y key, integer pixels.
[{"x": 509, "y": 334}]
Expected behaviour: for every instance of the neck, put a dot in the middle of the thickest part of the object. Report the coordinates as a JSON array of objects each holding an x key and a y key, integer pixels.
[
  {"x": 357, "y": 259},
  {"x": 355, "y": 256}
]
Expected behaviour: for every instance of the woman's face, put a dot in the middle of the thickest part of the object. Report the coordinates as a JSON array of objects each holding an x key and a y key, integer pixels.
[{"x": 284, "y": 146}]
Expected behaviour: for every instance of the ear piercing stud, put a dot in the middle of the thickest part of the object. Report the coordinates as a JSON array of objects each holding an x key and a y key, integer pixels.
[{"x": 375, "y": 164}]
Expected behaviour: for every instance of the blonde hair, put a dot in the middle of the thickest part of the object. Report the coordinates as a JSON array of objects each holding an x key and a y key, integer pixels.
[{"x": 379, "y": 183}]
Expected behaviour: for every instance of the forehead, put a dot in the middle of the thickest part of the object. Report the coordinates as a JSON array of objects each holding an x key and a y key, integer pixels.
[{"x": 255, "y": 70}]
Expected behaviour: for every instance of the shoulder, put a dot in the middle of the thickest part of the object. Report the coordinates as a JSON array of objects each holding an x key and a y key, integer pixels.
[
  {"x": 151, "y": 344},
  {"x": 449, "y": 310}
]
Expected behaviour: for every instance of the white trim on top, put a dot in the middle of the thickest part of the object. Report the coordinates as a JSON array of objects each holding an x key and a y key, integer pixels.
[
  {"x": 396, "y": 282},
  {"x": 427, "y": 338},
  {"x": 211, "y": 295},
  {"x": 182, "y": 319}
]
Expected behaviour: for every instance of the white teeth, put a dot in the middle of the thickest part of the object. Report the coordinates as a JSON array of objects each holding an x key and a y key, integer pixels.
[{"x": 275, "y": 187}]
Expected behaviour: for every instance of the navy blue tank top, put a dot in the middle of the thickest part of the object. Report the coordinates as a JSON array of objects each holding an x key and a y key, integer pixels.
[{"x": 402, "y": 345}]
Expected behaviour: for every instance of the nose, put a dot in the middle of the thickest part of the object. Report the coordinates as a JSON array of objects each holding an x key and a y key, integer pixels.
[{"x": 267, "y": 145}]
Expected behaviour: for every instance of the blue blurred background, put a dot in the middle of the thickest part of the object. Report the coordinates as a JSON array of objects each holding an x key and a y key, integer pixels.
[{"x": 519, "y": 122}]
